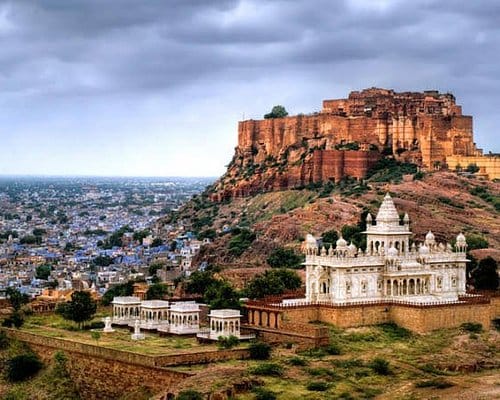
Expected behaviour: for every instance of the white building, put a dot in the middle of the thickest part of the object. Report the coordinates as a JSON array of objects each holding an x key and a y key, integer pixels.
[
  {"x": 184, "y": 318},
  {"x": 154, "y": 314},
  {"x": 126, "y": 310},
  {"x": 390, "y": 268},
  {"x": 224, "y": 323}
]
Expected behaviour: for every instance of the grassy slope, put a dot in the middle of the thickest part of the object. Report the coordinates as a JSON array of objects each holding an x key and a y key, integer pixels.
[
  {"x": 413, "y": 359},
  {"x": 443, "y": 202}
]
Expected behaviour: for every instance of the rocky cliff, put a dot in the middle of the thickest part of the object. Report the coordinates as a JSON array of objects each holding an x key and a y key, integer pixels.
[{"x": 346, "y": 138}]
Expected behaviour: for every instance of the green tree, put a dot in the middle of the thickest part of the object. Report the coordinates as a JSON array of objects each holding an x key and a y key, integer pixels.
[
  {"x": 39, "y": 232},
  {"x": 472, "y": 168},
  {"x": 476, "y": 242},
  {"x": 485, "y": 276},
  {"x": 154, "y": 267},
  {"x": 273, "y": 282},
  {"x": 123, "y": 289},
  {"x": 277, "y": 112},
  {"x": 157, "y": 242},
  {"x": 330, "y": 237},
  {"x": 43, "y": 272},
  {"x": 220, "y": 294},
  {"x": 157, "y": 291},
  {"x": 81, "y": 308},
  {"x": 287, "y": 258},
  {"x": 30, "y": 239},
  {"x": 139, "y": 235},
  {"x": 352, "y": 233},
  {"x": 199, "y": 281},
  {"x": 102, "y": 261},
  {"x": 16, "y": 298}
]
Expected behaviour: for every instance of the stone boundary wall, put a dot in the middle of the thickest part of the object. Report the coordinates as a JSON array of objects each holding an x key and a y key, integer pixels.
[
  {"x": 202, "y": 357},
  {"x": 418, "y": 318},
  {"x": 495, "y": 307},
  {"x": 103, "y": 373},
  {"x": 199, "y": 357},
  {"x": 319, "y": 337}
]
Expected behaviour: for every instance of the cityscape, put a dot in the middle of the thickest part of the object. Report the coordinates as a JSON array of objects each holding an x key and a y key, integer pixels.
[{"x": 249, "y": 200}]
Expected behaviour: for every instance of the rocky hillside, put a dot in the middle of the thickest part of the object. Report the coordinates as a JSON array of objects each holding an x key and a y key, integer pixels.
[{"x": 246, "y": 230}]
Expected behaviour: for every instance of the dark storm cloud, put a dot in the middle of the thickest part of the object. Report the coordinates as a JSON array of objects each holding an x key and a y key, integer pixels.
[
  {"x": 126, "y": 45},
  {"x": 57, "y": 52}
]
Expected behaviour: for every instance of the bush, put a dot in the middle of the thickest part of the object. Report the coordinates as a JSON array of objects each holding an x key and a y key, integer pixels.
[
  {"x": 240, "y": 242},
  {"x": 395, "y": 331},
  {"x": 380, "y": 366},
  {"x": 438, "y": 383},
  {"x": 298, "y": 361},
  {"x": 4, "y": 340},
  {"x": 16, "y": 320},
  {"x": 431, "y": 369},
  {"x": 273, "y": 282},
  {"x": 286, "y": 258},
  {"x": 333, "y": 349},
  {"x": 189, "y": 395},
  {"x": 267, "y": 369},
  {"x": 264, "y": 394},
  {"x": 227, "y": 342},
  {"x": 472, "y": 327},
  {"x": 23, "y": 367},
  {"x": 317, "y": 386},
  {"x": 260, "y": 351},
  {"x": 94, "y": 325}
]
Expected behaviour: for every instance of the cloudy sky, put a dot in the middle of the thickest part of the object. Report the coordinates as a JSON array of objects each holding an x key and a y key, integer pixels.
[{"x": 156, "y": 87}]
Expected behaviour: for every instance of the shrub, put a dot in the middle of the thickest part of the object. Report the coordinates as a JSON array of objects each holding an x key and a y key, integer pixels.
[
  {"x": 287, "y": 258},
  {"x": 4, "y": 340},
  {"x": 189, "y": 395},
  {"x": 260, "y": 351},
  {"x": 298, "y": 361},
  {"x": 380, "y": 366},
  {"x": 395, "y": 331},
  {"x": 23, "y": 367},
  {"x": 315, "y": 352},
  {"x": 227, "y": 342},
  {"x": 240, "y": 242},
  {"x": 16, "y": 320},
  {"x": 268, "y": 369},
  {"x": 333, "y": 349},
  {"x": 317, "y": 386},
  {"x": 438, "y": 383},
  {"x": 264, "y": 394},
  {"x": 431, "y": 369},
  {"x": 472, "y": 327}
]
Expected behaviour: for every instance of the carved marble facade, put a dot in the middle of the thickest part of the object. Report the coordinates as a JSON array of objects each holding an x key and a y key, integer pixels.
[{"x": 391, "y": 269}]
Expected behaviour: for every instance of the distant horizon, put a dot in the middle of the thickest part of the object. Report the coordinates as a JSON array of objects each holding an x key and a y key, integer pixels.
[{"x": 103, "y": 176}]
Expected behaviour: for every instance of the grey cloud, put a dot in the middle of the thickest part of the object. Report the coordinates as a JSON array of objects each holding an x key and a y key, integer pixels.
[{"x": 57, "y": 50}]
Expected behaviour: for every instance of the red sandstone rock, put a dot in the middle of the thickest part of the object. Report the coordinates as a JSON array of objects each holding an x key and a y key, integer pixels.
[{"x": 281, "y": 153}]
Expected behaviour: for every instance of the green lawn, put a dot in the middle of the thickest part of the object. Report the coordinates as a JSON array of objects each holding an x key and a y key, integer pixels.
[{"x": 55, "y": 326}]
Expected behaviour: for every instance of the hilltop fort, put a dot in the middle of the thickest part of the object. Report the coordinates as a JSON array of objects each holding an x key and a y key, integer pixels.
[{"x": 347, "y": 138}]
